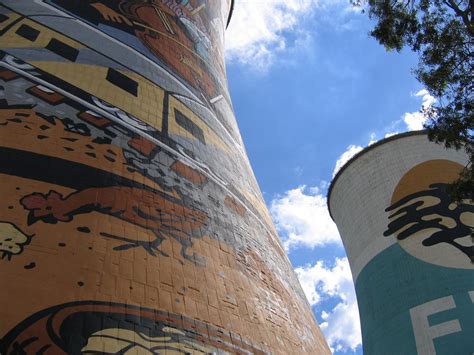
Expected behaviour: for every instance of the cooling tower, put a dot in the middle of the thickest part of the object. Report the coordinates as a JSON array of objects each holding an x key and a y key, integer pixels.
[
  {"x": 409, "y": 246},
  {"x": 130, "y": 218}
]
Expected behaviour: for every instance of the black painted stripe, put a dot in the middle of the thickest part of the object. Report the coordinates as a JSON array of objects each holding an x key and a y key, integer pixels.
[
  {"x": 62, "y": 49},
  {"x": 59, "y": 171},
  {"x": 28, "y": 32},
  {"x": 10, "y": 25},
  {"x": 165, "y": 115},
  {"x": 122, "y": 81},
  {"x": 189, "y": 126},
  {"x": 3, "y": 18}
]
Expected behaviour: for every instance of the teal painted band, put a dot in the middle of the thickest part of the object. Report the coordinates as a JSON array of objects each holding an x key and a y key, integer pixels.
[{"x": 393, "y": 283}]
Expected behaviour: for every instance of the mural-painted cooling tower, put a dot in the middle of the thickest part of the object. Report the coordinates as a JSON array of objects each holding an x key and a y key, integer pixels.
[
  {"x": 130, "y": 219},
  {"x": 410, "y": 248}
]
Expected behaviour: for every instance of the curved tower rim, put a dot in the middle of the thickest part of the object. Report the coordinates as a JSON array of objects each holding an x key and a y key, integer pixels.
[
  {"x": 231, "y": 11},
  {"x": 363, "y": 152},
  {"x": 408, "y": 245}
]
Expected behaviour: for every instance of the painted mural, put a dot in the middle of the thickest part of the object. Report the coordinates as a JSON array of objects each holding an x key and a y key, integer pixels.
[
  {"x": 422, "y": 207},
  {"x": 112, "y": 328},
  {"x": 185, "y": 38},
  {"x": 130, "y": 219},
  {"x": 413, "y": 270}
]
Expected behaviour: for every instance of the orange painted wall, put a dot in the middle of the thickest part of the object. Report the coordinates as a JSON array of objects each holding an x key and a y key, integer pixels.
[{"x": 130, "y": 219}]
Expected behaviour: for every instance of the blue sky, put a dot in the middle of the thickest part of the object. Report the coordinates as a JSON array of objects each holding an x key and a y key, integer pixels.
[{"x": 310, "y": 89}]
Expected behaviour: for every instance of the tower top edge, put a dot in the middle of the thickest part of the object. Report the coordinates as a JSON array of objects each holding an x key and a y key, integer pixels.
[
  {"x": 363, "y": 152},
  {"x": 231, "y": 11}
]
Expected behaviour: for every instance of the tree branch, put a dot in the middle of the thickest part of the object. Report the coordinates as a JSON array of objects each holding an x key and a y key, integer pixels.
[{"x": 463, "y": 14}]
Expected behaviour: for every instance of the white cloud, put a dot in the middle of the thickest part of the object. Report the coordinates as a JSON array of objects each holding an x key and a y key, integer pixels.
[
  {"x": 259, "y": 29},
  {"x": 302, "y": 218},
  {"x": 390, "y": 134},
  {"x": 341, "y": 324},
  {"x": 373, "y": 139},
  {"x": 414, "y": 120},
  {"x": 347, "y": 155}
]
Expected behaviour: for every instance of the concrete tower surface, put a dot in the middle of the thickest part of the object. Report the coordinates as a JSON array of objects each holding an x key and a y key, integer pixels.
[
  {"x": 410, "y": 248},
  {"x": 130, "y": 218}
]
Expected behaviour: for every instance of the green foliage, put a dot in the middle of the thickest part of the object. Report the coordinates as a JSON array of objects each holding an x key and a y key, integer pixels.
[{"x": 441, "y": 32}]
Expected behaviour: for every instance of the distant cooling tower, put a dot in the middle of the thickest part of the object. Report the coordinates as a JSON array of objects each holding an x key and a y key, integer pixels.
[
  {"x": 410, "y": 248},
  {"x": 130, "y": 218}
]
